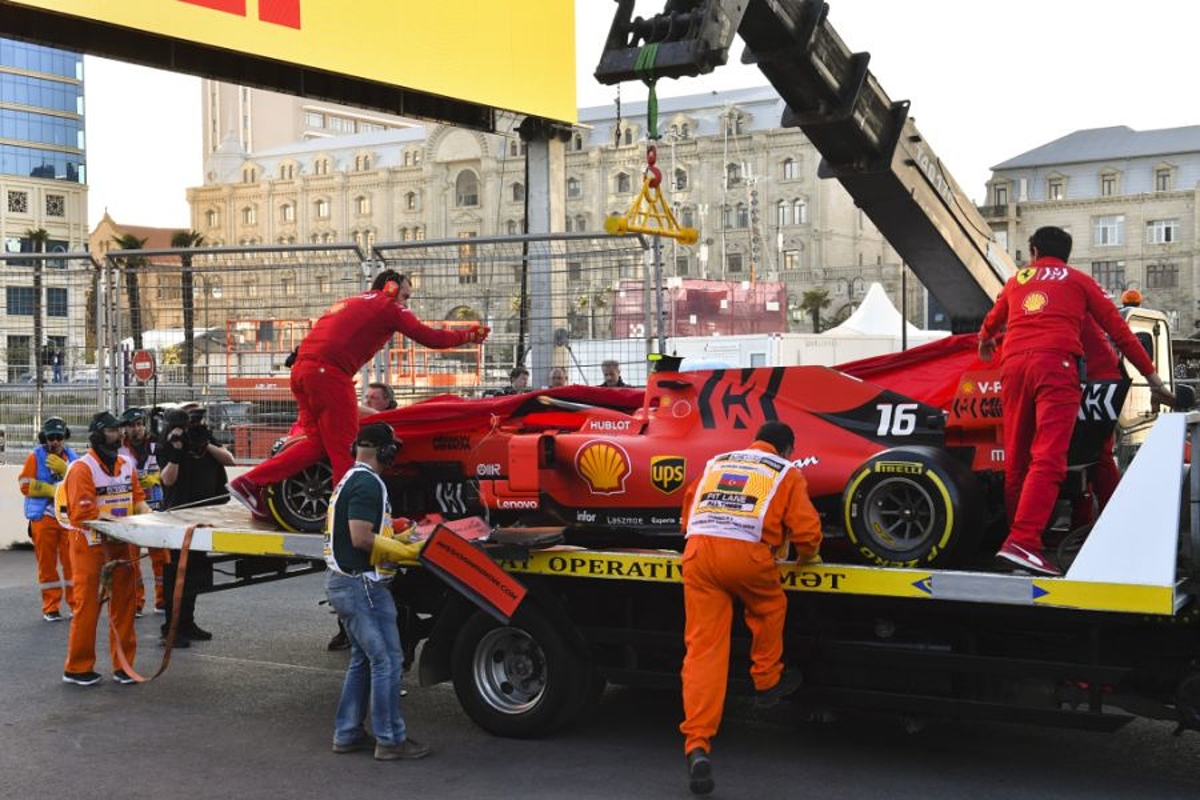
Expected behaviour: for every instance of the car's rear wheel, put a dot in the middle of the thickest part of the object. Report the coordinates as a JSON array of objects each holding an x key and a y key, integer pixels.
[
  {"x": 913, "y": 507},
  {"x": 299, "y": 501}
]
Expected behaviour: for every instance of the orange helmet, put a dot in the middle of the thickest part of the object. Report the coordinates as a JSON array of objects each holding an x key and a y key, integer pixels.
[{"x": 1131, "y": 297}]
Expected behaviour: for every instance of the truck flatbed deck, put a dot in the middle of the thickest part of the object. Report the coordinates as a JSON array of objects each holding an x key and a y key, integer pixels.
[{"x": 1127, "y": 566}]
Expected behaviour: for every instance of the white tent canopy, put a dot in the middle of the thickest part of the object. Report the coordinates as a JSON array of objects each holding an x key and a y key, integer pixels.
[
  {"x": 162, "y": 338},
  {"x": 876, "y": 316}
]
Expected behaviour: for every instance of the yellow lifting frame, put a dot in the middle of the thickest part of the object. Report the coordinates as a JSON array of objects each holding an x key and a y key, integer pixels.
[{"x": 650, "y": 212}]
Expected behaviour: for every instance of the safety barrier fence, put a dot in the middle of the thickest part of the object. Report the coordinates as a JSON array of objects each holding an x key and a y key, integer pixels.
[{"x": 218, "y": 323}]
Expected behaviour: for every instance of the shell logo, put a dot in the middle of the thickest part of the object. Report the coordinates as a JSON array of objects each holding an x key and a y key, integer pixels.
[
  {"x": 604, "y": 466},
  {"x": 1035, "y": 302},
  {"x": 968, "y": 387}
]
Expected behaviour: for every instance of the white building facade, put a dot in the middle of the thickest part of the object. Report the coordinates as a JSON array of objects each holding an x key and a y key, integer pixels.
[
  {"x": 750, "y": 186},
  {"x": 1129, "y": 200}
]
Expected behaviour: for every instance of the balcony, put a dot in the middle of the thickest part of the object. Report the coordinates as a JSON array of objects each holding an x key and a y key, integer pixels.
[{"x": 999, "y": 211}]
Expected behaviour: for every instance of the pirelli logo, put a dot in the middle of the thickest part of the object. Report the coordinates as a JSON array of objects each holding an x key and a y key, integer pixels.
[
  {"x": 900, "y": 467},
  {"x": 275, "y": 12}
]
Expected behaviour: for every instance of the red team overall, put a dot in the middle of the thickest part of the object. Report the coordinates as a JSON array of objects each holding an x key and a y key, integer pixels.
[
  {"x": 1042, "y": 309},
  {"x": 337, "y": 347}
]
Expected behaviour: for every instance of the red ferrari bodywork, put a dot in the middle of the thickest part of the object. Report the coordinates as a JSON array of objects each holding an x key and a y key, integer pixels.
[{"x": 621, "y": 458}]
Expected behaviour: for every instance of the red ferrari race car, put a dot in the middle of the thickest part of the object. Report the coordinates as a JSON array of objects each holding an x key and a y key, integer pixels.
[{"x": 905, "y": 478}]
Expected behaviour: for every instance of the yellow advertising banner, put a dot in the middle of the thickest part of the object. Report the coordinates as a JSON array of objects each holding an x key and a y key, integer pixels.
[{"x": 517, "y": 55}]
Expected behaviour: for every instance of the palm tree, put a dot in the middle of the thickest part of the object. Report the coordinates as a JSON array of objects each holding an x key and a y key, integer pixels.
[
  {"x": 183, "y": 240},
  {"x": 812, "y": 302},
  {"x": 132, "y": 265}
]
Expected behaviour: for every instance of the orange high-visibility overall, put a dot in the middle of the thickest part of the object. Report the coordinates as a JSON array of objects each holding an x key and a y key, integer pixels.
[
  {"x": 119, "y": 493},
  {"x": 730, "y": 552},
  {"x": 51, "y": 544}
]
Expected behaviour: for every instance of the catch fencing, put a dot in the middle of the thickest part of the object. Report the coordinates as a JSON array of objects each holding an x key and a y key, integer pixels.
[{"x": 219, "y": 324}]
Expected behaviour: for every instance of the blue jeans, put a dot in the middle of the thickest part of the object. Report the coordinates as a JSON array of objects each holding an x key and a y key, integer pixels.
[{"x": 368, "y": 613}]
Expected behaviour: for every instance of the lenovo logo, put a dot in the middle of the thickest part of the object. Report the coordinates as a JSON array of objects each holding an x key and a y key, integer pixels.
[{"x": 276, "y": 12}]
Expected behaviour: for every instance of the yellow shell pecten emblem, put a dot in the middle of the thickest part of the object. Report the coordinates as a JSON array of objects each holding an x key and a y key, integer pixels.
[
  {"x": 1034, "y": 302},
  {"x": 1024, "y": 275},
  {"x": 968, "y": 387},
  {"x": 604, "y": 466}
]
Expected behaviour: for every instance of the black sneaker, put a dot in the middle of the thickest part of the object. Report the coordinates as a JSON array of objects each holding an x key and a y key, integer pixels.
[
  {"x": 789, "y": 682},
  {"x": 700, "y": 779},
  {"x": 407, "y": 750},
  {"x": 365, "y": 743},
  {"x": 82, "y": 678},
  {"x": 52, "y": 616},
  {"x": 340, "y": 641},
  {"x": 122, "y": 677},
  {"x": 197, "y": 633}
]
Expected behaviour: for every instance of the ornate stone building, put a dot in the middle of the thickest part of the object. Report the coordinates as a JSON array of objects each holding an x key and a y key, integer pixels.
[
  {"x": 1129, "y": 200},
  {"x": 750, "y": 186}
]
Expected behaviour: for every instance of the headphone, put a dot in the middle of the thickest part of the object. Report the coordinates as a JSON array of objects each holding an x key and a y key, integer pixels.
[
  {"x": 58, "y": 424},
  {"x": 391, "y": 288},
  {"x": 385, "y": 454}
]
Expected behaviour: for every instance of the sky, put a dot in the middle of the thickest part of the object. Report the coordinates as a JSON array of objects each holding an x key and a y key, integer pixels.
[{"x": 987, "y": 81}]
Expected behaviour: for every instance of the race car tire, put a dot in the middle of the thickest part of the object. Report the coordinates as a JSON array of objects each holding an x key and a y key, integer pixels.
[
  {"x": 299, "y": 501},
  {"x": 913, "y": 507},
  {"x": 521, "y": 680}
]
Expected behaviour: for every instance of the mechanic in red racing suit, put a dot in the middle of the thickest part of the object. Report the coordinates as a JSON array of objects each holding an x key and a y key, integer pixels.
[
  {"x": 1042, "y": 309},
  {"x": 1103, "y": 477},
  {"x": 340, "y": 343}
]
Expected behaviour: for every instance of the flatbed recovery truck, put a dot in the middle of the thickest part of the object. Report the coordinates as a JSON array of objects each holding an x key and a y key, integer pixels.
[{"x": 1117, "y": 637}]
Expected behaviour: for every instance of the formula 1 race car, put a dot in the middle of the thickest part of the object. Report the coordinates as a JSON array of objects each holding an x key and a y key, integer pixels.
[{"x": 912, "y": 479}]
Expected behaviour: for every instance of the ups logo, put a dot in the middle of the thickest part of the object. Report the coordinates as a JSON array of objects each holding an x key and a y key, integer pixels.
[{"x": 667, "y": 472}]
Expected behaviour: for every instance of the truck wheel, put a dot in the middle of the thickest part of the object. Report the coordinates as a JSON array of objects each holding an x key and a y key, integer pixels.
[
  {"x": 299, "y": 501},
  {"x": 520, "y": 680},
  {"x": 913, "y": 507}
]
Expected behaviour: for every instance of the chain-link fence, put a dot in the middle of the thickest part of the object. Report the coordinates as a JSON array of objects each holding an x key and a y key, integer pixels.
[
  {"x": 216, "y": 325},
  {"x": 48, "y": 348}
]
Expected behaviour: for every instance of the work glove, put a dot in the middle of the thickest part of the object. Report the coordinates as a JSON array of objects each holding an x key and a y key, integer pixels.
[
  {"x": 57, "y": 464},
  {"x": 150, "y": 481},
  {"x": 41, "y": 489},
  {"x": 389, "y": 550},
  {"x": 477, "y": 334}
]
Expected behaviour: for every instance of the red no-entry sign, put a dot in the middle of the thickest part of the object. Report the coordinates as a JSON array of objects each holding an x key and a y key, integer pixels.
[{"x": 143, "y": 365}]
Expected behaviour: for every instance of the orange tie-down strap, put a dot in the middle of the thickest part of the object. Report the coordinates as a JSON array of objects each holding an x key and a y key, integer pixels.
[{"x": 176, "y": 599}]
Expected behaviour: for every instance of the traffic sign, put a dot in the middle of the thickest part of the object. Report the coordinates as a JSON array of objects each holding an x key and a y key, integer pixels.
[{"x": 143, "y": 365}]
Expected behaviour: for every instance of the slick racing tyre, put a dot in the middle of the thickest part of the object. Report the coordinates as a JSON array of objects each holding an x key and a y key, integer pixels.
[
  {"x": 913, "y": 507},
  {"x": 299, "y": 501},
  {"x": 520, "y": 680}
]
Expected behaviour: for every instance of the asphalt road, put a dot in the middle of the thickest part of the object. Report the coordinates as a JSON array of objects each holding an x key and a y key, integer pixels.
[{"x": 249, "y": 715}]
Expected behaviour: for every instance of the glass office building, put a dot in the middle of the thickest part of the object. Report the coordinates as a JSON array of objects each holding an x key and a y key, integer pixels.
[
  {"x": 41, "y": 112},
  {"x": 43, "y": 177}
]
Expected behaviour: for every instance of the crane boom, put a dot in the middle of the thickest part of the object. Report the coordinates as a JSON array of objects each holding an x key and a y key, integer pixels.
[{"x": 867, "y": 141}]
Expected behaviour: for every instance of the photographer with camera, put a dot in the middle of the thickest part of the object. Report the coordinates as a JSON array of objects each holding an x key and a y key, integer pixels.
[{"x": 193, "y": 474}]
